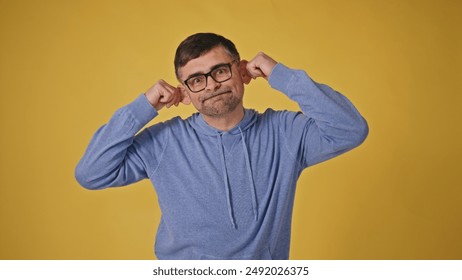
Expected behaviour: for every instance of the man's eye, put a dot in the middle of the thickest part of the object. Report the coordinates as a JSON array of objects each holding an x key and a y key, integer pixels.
[
  {"x": 221, "y": 71},
  {"x": 196, "y": 80}
]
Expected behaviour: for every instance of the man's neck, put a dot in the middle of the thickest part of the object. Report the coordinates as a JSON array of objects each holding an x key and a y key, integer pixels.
[{"x": 225, "y": 122}]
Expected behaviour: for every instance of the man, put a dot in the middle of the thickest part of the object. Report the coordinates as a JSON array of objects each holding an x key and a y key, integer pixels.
[{"x": 225, "y": 177}]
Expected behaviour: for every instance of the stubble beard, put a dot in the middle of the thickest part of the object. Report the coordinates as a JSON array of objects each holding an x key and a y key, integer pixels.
[{"x": 220, "y": 108}]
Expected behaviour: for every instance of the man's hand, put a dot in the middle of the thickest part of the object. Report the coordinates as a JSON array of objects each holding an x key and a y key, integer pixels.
[
  {"x": 163, "y": 94},
  {"x": 260, "y": 66}
]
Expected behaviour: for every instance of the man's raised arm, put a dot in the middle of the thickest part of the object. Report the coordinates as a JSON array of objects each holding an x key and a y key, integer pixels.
[
  {"x": 115, "y": 157},
  {"x": 330, "y": 125}
]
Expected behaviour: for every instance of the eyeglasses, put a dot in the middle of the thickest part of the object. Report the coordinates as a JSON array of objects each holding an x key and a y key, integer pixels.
[{"x": 220, "y": 73}]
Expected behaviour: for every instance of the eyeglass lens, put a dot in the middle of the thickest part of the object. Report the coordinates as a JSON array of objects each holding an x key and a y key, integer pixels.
[{"x": 219, "y": 74}]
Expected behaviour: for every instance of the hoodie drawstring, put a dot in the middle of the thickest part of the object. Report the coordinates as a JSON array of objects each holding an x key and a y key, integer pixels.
[
  {"x": 249, "y": 174},
  {"x": 225, "y": 179},
  {"x": 226, "y": 182}
]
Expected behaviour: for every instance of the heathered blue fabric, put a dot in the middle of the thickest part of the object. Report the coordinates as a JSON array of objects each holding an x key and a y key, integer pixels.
[{"x": 225, "y": 195}]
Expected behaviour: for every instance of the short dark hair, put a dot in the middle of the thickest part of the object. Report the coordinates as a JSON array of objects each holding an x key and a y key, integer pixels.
[{"x": 200, "y": 43}]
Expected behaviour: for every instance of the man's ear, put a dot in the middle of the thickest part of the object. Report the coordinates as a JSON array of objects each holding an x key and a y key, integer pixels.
[
  {"x": 246, "y": 78},
  {"x": 185, "y": 99}
]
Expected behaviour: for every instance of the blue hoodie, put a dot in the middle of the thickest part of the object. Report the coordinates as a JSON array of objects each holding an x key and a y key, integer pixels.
[{"x": 225, "y": 194}]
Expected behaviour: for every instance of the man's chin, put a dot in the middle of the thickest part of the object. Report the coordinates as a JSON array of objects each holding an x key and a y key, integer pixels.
[{"x": 220, "y": 112}]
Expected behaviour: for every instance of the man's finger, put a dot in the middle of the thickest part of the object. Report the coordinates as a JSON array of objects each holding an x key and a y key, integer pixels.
[
  {"x": 186, "y": 101},
  {"x": 166, "y": 96},
  {"x": 184, "y": 96},
  {"x": 255, "y": 72},
  {"x": 175, "y": 98},
  {"x": 261, "y": 65}
]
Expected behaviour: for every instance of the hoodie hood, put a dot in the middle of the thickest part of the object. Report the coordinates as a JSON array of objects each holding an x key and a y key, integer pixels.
[{"x": 201, "y": 126}]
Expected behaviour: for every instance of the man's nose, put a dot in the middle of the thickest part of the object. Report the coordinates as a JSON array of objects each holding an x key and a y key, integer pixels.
[{"x": 211, "y": 84}]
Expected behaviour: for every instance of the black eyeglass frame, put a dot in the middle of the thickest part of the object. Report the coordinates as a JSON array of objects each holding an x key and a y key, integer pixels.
[{"x": 209, "y": 74}]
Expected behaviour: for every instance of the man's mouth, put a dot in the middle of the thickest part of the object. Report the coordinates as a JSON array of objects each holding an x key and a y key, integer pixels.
[{"x": 216, "y": 94}]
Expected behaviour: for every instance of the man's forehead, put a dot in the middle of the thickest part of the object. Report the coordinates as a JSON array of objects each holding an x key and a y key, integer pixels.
[{"x": 205, "y": 62}]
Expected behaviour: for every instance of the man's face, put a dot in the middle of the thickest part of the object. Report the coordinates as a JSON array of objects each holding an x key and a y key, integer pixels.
[{"x": 217, "y": 99}]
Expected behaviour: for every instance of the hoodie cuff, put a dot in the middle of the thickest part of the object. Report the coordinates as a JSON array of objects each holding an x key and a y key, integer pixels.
[
  {"x": 142, "y": 110},
  {"x": 280, "y": 77}
]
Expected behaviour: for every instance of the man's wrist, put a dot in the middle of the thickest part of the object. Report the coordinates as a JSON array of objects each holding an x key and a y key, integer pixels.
[
  {"x": 142, "y": 109},
  {"x": 280, "y": 77},
  {"x": 153, "y": 100}
]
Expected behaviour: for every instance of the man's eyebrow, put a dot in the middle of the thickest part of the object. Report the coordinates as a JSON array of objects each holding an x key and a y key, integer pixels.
[{"x": 202, "y": 73}]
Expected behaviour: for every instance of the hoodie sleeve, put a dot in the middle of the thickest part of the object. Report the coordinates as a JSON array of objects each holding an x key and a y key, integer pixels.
[
  {"x": 115, "y": 157},
  {"x": 329, "y": 125}
]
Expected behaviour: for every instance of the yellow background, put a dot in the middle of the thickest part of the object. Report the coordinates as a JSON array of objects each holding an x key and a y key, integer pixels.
[{"x": 66, "y": 66}]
